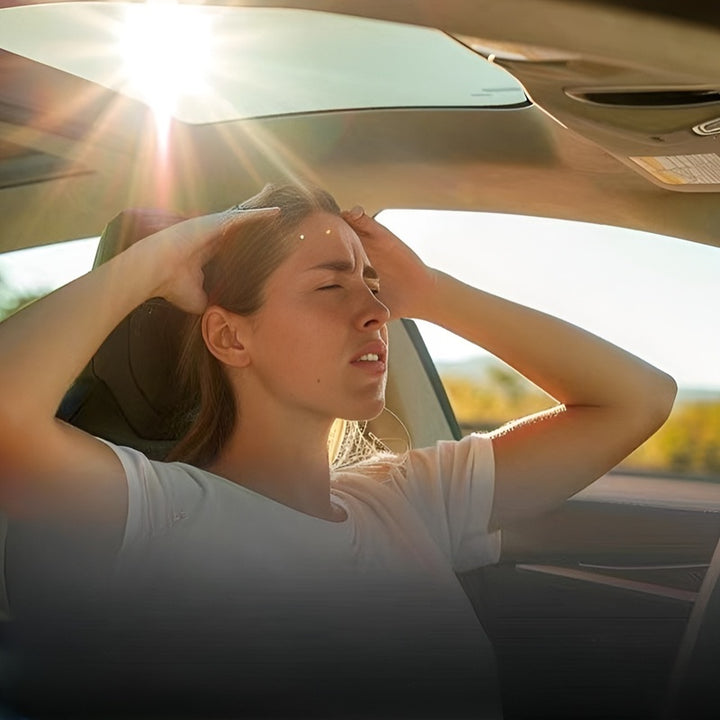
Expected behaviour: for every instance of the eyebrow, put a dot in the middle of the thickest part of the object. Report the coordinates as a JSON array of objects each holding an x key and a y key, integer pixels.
[{"x": 346, "y": 267}]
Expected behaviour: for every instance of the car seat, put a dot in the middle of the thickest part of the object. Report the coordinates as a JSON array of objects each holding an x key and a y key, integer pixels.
[{"x": 128, "y": 392}]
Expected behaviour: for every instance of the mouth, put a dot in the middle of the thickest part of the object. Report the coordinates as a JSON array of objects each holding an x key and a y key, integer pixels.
[{"x": 372, "y": 357}]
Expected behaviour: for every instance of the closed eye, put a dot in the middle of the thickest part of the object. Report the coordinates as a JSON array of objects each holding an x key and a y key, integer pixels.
[{"x": 374, "y": 289}]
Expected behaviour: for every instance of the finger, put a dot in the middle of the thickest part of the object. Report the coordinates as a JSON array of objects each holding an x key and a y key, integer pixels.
[
  {"x": 241, "y": 214},
  {"x": 214, "y": 222},
  {"x": 356, "y": 219},
  {"x": 354, "y": 214},
  {"x": 249, "y": 212},
  {"x": 195, "y": 305},
  {"x": 190, "y": 298},
  {"x": 208, "y": 231},
  {"x": 233, "y": 218}
]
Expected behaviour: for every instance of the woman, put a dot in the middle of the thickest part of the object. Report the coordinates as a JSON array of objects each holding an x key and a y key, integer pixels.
[{"x": 321, "y": 593}]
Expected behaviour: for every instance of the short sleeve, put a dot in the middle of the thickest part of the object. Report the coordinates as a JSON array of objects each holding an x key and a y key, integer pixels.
[
  {"x": 451, "y": 486},
  {"x": 152, "y": 500}
]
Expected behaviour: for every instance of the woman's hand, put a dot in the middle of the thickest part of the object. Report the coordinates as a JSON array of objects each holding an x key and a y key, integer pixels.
[
  {"x": 46, "y": 345},
  {"x": 181, "y": 250},
  {"x": 406, "y": 283},
  {"x": 611, "y": 400}
]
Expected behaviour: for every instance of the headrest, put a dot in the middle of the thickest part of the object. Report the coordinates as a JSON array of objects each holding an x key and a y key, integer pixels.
[{"x": 128, "y": 393}]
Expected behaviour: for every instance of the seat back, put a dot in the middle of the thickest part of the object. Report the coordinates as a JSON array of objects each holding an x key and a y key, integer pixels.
[{"x": 128, "y": 392}]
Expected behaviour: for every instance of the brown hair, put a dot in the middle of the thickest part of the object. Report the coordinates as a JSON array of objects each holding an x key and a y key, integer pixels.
[{"x": 235, "y": 279}]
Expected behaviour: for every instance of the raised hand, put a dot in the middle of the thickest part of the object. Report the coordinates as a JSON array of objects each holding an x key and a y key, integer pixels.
[
  {"x": 185, "y": 247},
  {"x": 406, "y": 282}
]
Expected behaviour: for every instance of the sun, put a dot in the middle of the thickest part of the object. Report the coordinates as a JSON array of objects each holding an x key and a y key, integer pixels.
[{"x": 167, "y": 50}]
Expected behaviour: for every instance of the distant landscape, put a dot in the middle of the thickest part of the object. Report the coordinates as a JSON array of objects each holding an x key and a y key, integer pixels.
[{"x": 485, "y": 394}]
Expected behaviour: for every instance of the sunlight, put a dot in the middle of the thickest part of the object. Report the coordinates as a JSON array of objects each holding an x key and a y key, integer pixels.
[
  {"x": 167, "y": 51},
  {"x": 654, "y": 295}
]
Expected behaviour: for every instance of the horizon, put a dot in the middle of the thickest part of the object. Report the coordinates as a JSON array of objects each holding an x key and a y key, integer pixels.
[{"x": 464, "y": 367}]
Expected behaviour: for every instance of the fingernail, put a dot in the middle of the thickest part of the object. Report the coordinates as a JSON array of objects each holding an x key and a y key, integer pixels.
[
  {"x": 356, "y": 213},
  {"x": 239, "y": 211},
  {"x": 249, "y": 211}
]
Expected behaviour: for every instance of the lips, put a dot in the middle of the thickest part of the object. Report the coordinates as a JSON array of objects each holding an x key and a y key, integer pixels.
[
  {"x": 373, "y": 352},
  {"x": 371, "y": 358}
]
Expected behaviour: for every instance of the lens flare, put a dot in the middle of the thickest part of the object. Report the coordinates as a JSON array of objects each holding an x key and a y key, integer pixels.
[{"x": 166, "y": 50}]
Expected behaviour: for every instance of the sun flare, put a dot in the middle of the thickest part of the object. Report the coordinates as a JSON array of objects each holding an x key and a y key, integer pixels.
[{"x": 166, "y": 49}]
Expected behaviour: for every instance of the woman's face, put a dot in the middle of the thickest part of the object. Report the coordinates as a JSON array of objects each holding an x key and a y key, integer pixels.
[{"x": 319, "y": 341}]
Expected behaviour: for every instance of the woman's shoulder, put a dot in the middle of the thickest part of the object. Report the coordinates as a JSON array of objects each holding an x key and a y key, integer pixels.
[
  {"x": 472, "y": 453},
  {"x": 446, "y": 464},
  {"x": 139, "y": 466}
]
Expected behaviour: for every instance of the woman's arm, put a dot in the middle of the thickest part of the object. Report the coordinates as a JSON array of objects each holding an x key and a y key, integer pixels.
[
  {"x": 611, "y": 401},
  {"x": 49, "y": 468}
]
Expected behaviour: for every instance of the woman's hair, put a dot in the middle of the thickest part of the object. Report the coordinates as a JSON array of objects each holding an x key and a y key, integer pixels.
[{"x": 235, "y": 279}]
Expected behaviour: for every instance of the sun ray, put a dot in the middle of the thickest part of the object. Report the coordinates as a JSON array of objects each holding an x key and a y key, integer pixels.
[{"x": 167, "y": 55}]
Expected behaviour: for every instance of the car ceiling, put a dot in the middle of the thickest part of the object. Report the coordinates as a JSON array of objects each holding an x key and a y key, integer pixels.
[{"x": 67, "y": 167}]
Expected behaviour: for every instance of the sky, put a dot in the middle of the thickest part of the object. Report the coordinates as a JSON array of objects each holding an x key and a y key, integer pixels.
[
  {"x": 656, "y": 296},
  {"x": 47, "y": 267}
]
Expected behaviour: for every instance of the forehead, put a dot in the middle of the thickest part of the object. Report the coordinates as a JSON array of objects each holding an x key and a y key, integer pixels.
[{"x": 322, "y": 237}]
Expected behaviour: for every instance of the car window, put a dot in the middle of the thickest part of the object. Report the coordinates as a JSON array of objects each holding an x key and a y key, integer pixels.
[
  {"x": 26, "y": 275},
  {"x": 654, "y": 295}
]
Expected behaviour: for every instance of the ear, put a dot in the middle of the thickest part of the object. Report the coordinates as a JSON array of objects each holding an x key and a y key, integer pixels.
[{"x": 223, "y": 333}]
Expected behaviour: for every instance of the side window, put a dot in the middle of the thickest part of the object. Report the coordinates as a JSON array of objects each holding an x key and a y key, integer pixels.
[
  {"x": 653, "y": 295},
  {"x": 26, "y": 275}
]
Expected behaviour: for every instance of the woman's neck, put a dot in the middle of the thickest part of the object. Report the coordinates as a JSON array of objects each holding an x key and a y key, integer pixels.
[{"x": 285, "y": 461}]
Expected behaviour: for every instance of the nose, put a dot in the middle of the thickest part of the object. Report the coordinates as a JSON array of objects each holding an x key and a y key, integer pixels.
[{"x": 372, "y": 313}]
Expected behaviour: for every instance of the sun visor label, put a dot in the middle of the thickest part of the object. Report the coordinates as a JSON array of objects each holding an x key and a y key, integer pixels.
[{"x": 700, "y": 169}]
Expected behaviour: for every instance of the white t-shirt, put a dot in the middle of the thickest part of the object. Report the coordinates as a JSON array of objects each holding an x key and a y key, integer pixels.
[{"x": 363, "y": 617}]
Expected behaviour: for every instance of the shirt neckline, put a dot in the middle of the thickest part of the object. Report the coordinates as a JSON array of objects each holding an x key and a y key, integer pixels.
[{"x": 334, "y": 499}]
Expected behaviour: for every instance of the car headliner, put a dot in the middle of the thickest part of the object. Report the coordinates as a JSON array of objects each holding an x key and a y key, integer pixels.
[{"x": 516, "y": 161}]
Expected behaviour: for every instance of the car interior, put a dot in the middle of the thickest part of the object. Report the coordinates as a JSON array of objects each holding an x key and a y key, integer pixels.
[{"x": 605, "y": 112}]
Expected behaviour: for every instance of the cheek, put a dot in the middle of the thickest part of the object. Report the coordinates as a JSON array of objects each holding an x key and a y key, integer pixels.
[{"x": 303, "y": 341}]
